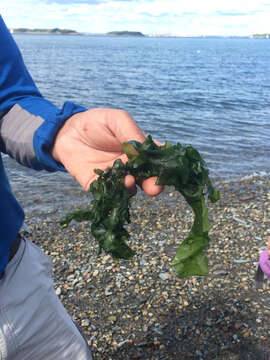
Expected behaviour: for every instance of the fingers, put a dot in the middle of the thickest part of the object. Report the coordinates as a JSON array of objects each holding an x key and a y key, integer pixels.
[
  {"x": 129, "y": 181},
  {"x": 98, "y": 138},
  {"x": 158, "y": 142},
  {"x": 150, "y": 188},
  {"x": 130, "y": 184},
  {"x": 148, "y": 185}
]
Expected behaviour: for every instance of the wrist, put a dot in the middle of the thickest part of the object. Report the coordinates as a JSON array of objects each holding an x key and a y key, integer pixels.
[{"x": 61, "y": 144}]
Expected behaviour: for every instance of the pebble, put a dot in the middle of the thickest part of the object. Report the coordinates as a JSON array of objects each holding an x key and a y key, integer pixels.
[
  {"x": 198, "y": 353},
  {"x": 95, "y": 273},
  {"x": 108, "y": 291},
  {"x": 222, "y": 272},
  {"x": 164, "y": 276},
  {"x": 58, "y": 291},
  {"x": 158, "y": 331},
  {"x": 85, "y": 322}
]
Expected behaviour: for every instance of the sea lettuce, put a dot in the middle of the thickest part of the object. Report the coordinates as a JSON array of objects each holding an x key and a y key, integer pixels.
[{"x": 177, "y": 165}]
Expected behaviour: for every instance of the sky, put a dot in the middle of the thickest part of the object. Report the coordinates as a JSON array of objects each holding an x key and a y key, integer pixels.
[{"x": 178, "y": 17}]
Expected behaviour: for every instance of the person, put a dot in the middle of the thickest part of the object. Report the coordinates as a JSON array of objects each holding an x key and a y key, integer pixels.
[
  {"x": 263, "y": 269},
  {"x": 33, "y": 323},
  {"x": 264, "y": 261}
]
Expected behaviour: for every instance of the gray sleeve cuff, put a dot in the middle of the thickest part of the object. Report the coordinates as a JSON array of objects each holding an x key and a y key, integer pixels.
[{"x": 17, "y": 129}]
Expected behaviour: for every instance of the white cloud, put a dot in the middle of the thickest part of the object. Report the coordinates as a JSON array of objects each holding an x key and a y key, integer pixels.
[{"x": 239, "y": 17}]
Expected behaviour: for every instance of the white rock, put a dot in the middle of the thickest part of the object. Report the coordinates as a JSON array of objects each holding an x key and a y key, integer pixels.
[
  {"x": 58, "y": 291},
  {"x": 85, "y": 322}
]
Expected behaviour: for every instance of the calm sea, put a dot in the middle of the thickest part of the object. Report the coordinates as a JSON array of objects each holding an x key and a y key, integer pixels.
[{"x": 211, "y": 93}]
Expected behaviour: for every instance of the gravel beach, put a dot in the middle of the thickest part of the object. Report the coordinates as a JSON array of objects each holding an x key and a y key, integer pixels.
[{"x": 139, "y": 309}]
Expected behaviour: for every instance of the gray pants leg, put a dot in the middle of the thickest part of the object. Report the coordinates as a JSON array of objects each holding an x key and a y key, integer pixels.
[{"x": 33, "y": 323}]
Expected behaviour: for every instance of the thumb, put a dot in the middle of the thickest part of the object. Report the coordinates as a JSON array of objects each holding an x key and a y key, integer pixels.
[{"x": 124, "y": 127}]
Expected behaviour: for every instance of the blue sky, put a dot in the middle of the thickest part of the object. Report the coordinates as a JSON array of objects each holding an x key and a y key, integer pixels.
[{"x": 181, "y": 17}]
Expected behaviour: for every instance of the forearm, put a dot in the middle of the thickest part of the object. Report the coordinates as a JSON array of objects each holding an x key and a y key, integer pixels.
[
  {"x": 28, "y": 136},
  {"x": 17, "y": 128}
]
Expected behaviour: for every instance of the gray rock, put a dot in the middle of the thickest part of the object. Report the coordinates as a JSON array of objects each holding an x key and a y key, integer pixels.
[{"x": 164, "y": 276}]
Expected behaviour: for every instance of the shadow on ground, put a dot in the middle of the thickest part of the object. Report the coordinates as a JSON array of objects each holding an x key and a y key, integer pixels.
[{"x": 217, "y": 329}]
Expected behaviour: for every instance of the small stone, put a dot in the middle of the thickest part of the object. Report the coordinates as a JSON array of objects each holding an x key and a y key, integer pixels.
[
  {"x": 73, "y": 223},
  {"x": 85, "y": 322},
  {"x": 95, "y": 273},
  {"x": 199, "y": 353},
  {"x": 58, "y": 291},
  {"x": 246, "y": 333},
  {"x": 145, "y": 328},
  {"x": 164, "y": 276},
  {"x": 158, "y": 331},
  {"x": 220, "y": 272},
  {"x": 165, "y": 295},
  {"x": 108, "y": 291},
  {"x": 237, "y": 325},
  {"x": 246, "y": 197},
  {"x": 74, "y": 282},
  {"x": 112, "y": 318},
  {"x": 142, "y": 301}
]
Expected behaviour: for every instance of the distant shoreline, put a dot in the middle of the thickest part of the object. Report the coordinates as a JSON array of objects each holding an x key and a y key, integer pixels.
[
  {"x": 57, "y": 31},
  {"x": 126, "y": 33}
]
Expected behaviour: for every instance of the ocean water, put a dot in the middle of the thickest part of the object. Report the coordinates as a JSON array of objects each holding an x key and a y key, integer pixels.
[{"x": 211, "y": 93}]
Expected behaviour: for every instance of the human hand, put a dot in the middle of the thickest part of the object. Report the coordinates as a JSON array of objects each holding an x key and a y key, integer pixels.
[{"x": 92, "y": 140}]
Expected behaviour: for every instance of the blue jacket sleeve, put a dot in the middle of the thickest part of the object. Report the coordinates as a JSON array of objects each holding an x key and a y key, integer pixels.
[{"x": 17, "y": 88}]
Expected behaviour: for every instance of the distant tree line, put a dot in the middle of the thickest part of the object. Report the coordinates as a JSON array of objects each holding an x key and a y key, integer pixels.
[
  {"x": 125, "y": 33},
  {"x": 261, "y": 36},
  {"x": 45, "y": 31}
]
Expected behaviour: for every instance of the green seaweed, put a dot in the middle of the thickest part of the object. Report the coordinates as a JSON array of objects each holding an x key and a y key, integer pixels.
[{"x": 177, "y": 165}]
